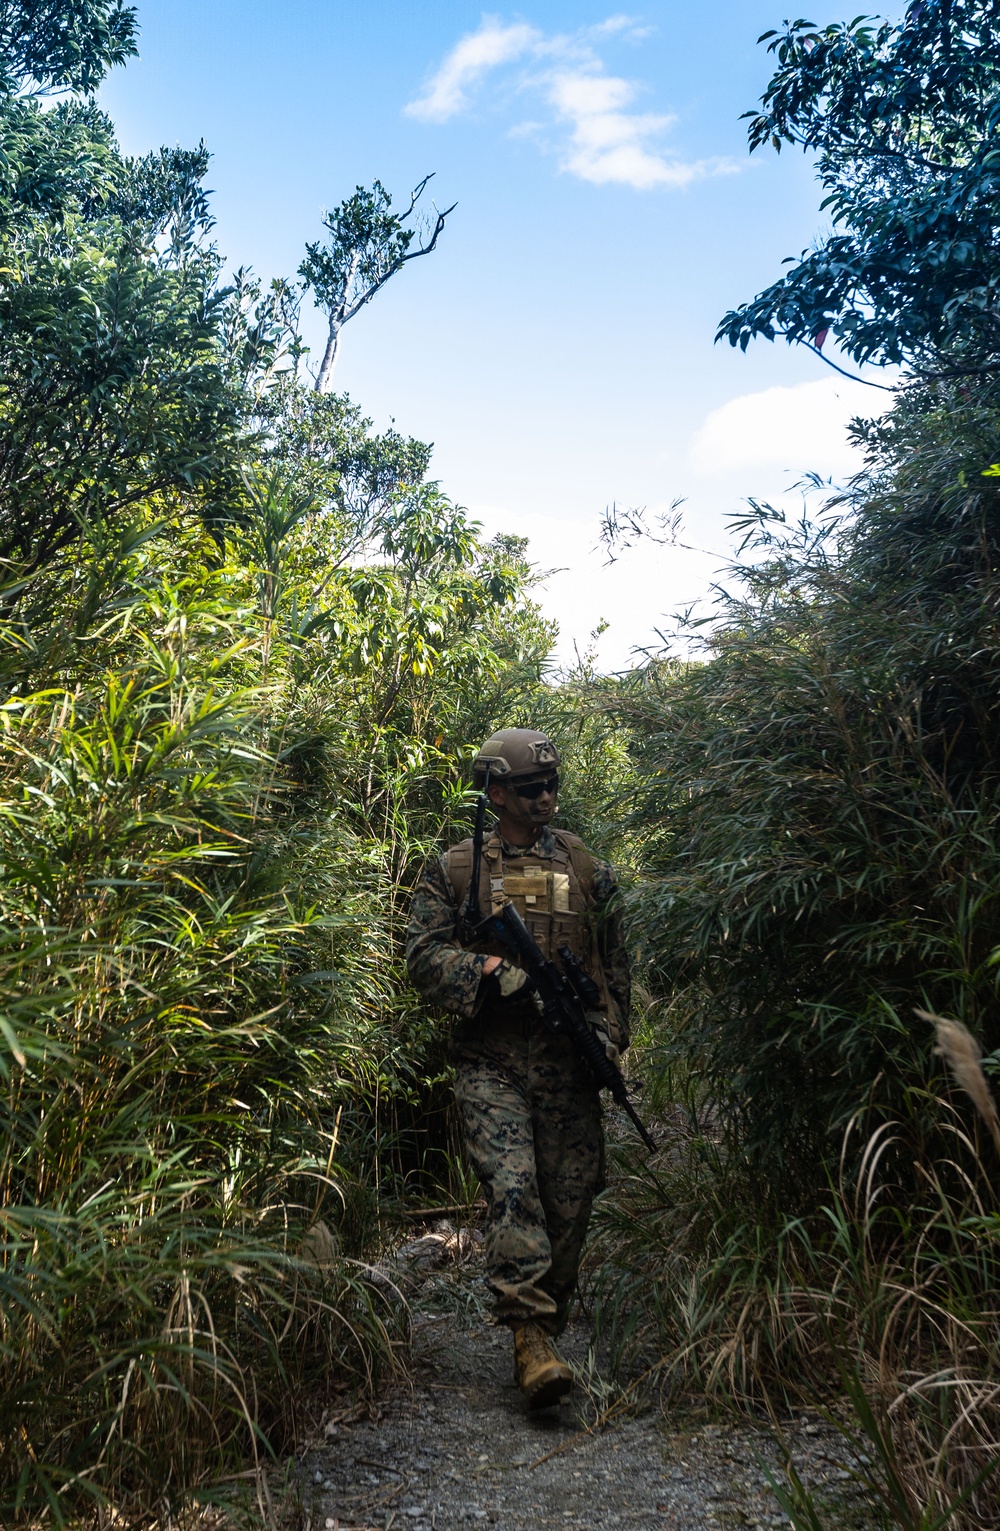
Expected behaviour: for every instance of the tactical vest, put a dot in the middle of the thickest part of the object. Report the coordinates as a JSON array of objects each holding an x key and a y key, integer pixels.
[{"x": 553, "y": 897}]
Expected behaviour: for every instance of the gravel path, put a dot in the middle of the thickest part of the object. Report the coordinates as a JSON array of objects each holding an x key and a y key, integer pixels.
[{"x": 457, "y": 1450}]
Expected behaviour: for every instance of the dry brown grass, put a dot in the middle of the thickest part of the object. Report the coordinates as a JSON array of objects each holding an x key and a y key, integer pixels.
[{"x": 886, "y": 1300}]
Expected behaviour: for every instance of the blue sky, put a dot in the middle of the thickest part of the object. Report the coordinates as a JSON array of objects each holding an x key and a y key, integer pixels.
[{"x": 557, "y": 347}]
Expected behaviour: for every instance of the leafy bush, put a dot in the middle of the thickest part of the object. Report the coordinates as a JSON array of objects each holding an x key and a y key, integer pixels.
[
  {"x": 819, "y": 797},
  {"x": 167, "y": 1127}
]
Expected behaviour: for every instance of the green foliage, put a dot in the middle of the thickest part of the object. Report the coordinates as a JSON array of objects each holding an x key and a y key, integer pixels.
[
  {"x": 368, "y": 244},
  {"x": 878, "y": 1307},
  {"x": 167, "y": 1133},
  {"x": 247, "y": 649},
  {"x": 211, "y": 778},
  {"x": 328, "y": 444},
  {"x": 814, "y": 830},
  {"x": 114, "y": 388},
  {"x": 815, "y": 825},
  {"x": 63, "y": 44},
  {"x": 54, "y": 162},
  {"x": 903, "y": 117},
  {"x": 817, "y": 798},
  {"x": 244, "y": 648}
]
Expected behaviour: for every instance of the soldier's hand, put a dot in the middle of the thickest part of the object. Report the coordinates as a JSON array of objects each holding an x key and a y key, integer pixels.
[{"x": 510, "y": 979}]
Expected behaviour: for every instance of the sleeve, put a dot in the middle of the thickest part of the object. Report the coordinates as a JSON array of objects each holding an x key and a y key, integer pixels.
[
  {"x": 438, "y": 965},
  {"x": 611, "y": 942}
]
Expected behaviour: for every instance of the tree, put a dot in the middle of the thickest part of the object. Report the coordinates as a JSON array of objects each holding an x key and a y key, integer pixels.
[
  {"x": 226, "y": 741},
  {"x": 326, "y": 443},
  {"x": 905, "y": 120},
  {"x": 112, "y": 386},
  {"x": 369, "y": 243},
  {"x": 63, "y": 44}
]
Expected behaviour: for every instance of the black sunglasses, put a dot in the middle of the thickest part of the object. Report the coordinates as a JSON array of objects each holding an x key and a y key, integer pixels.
[{"x": 535, "y": 789}]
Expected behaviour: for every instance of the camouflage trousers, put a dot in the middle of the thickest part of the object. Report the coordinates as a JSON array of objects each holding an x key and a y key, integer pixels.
[{"x": 533, "y": 1135}]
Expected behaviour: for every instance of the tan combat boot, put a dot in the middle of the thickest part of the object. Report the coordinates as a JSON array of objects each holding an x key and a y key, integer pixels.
[{"x": 541, "y": 1376}]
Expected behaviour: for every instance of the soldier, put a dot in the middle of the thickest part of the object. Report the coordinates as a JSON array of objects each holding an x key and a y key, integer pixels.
[{"x": 530, "y": 1108}]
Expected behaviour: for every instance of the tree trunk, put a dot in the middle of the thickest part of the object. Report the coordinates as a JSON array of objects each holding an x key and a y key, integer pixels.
[{"x": 329, "y": 357}]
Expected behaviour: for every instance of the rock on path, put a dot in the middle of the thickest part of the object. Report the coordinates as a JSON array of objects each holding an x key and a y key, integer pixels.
[{"x": 456, "y": 1450}]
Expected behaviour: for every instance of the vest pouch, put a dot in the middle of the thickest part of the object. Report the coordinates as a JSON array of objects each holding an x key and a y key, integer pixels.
[
  {"x": 566, "y": 931},
  {"x": 536, "y": 891},
  {"x": 530, "y": 891}
]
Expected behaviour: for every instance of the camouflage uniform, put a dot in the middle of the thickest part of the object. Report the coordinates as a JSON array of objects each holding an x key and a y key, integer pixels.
[{"x": 531, "y": 1113}]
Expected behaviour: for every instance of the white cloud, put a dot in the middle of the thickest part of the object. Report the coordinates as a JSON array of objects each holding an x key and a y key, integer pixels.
[
  {"x": 620, "y": 25},
  {"x": 470, "y": 59},
  {"x": 609, "y": 143},
  {"x": 802, "y": 428},
  {"x": 604, "y": 140}
]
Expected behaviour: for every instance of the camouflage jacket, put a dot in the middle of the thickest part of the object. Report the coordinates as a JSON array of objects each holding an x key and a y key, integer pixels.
[{"x": 451, "y": 977}]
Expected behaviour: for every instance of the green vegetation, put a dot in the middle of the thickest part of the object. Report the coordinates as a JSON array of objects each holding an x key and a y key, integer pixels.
[
  {"x": 247, "y": 646},
  {"x": 243, "y": 643},
  {"x": 815, "y": 834},
  {"x": 818, "y": 799},
  {"x": 903, "y": 120},
  {"x": 816, "y": 817}
]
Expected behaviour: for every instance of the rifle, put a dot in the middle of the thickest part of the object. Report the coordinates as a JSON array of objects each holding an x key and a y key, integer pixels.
[
  {"x": 472, "y": 914},
  {"x": 563, "y": 1000}
]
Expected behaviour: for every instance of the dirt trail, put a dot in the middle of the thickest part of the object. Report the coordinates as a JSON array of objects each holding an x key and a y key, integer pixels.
[{"x": 457, "y": 1450}]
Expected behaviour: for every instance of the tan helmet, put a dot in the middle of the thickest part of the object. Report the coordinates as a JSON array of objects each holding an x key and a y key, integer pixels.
[{"x": 520, "y": 752}]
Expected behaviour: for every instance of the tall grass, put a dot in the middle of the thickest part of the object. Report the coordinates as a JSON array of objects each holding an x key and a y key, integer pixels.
[
  {"x": 888, "y": 1303},
  {"x": 814, "y": 827},
  {"x": 170, "y": 1035},
  {"x": 218, "y": 774},
  {"x": 817, "y": 800}
]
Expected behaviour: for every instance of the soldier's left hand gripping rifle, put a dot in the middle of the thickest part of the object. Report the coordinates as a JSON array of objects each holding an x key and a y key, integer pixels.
[{"x": 563, "y": 997}]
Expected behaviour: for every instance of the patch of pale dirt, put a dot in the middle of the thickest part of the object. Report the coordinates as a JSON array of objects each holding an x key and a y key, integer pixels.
[{"x": 456, "y": 1449}]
